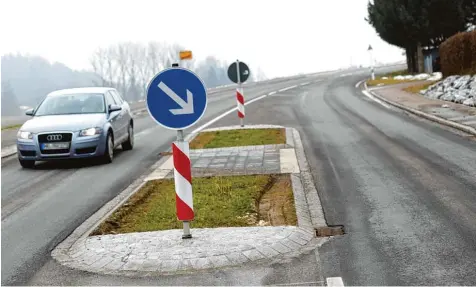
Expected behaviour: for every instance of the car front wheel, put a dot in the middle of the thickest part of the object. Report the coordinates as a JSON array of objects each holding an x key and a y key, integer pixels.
[
  {"x": 129, "y": 144},
  {"x": 27, "y": 163},
  {"x": 109, "y": 150}
]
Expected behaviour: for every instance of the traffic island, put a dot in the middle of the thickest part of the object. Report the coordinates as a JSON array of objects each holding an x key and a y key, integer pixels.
[{"x": 254, "y": 204}]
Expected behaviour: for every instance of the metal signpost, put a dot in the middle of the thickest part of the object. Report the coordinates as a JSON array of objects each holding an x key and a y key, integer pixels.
[
  {"x": 176, "y": 100},
  {"x": 239, "y": 72},
  {"x": 372, "y": 62}
]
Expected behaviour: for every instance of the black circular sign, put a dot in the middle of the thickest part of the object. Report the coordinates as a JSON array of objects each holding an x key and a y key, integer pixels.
[{"x": 233, "y": 73}]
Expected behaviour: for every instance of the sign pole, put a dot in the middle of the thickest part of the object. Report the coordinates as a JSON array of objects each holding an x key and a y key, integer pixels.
[
  {"x": 176, "y": 100},
  {"x": 182, "y": 167},
  {"x": 239, "y": 96},
  {"x": 372, "y": 69}
]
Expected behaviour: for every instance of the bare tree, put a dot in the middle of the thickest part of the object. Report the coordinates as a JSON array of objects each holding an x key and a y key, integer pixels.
[
  {"x": 135, "y": 58},
  {"x": 157, "y": 56},
  {"x": 142, "y": 68},
  {"x": 98, "y": 62},
  {"x": 129, "y": 67},
  {"x": 112, "y": 67},
  {"x": 121, "y": 58}
]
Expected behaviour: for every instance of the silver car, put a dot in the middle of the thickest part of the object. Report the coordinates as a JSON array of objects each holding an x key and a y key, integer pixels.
[{"x": 76, "y": 123}]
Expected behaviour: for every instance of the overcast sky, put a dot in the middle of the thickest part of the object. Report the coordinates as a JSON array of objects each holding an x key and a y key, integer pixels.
[{"x": 282, "y": 37}]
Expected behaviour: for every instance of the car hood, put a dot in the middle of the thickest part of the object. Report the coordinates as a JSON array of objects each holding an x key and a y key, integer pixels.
[{"x": 63, "y": 123}]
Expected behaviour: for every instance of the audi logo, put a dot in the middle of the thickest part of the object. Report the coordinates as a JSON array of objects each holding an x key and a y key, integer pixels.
[{"x": 54, "y": 137}]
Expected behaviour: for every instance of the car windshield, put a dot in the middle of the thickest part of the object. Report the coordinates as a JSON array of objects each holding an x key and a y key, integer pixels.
[{"x": 86, "y": 103}]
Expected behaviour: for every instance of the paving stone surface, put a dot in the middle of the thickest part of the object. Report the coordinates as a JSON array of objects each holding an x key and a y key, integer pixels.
[{"x": 163, "y": 251}]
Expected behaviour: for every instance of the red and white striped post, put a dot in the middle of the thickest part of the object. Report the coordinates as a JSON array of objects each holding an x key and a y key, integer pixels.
[
  {"x": 240, "y": 99},
  {"x": 183, "y": 183},
  {"x": 241, "y": 104}
]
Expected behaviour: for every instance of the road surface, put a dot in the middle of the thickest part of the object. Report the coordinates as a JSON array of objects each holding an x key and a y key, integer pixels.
[
  {"x": 404, "y": 188},
  {"x": 41, "y": 207}
]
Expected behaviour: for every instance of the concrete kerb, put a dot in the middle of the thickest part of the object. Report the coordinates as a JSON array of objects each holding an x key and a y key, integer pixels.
[
  {"x": 79, "y": 251},
  {"x": 9, "y": 150},
  {"x": 439, "y": 120}
]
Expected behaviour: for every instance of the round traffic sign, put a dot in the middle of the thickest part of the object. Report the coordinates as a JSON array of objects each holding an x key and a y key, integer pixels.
[
  {"x": 176, "y": 98},
  {"x": 233, "y": 73}
]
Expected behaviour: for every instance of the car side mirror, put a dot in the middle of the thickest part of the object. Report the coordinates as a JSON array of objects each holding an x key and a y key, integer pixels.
[
  {"x": 114, "y": 108},
  {"x": 29, "y": 112}
]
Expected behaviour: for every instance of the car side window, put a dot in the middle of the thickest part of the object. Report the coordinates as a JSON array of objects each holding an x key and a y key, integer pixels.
[
  {"x": 117, "y": 97},
  {"x": 109, "y": 99}
]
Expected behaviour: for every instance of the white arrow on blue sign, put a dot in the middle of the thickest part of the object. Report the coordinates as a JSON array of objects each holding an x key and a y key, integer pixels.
[{"x": 176, "y": 98}]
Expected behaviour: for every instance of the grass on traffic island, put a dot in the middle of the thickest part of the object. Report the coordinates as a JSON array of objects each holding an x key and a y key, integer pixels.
[
  {"x": 380, "y": 81},
  {"x": 222, "y": 201},
  {"x": 415, "y": 89},
  {"x": 239, "y": 137},
  {"x": 11, "y": 127}
]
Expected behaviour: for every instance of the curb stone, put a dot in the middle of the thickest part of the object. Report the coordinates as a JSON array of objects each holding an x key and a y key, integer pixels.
[
  {"x": 439, "y": 120},
  {"x": 102, "y": 254},
  {"x": 9, "y": 150}
]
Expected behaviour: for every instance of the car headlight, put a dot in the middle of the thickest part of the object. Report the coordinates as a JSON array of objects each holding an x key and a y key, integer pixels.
[
  {"x": 90, "y": 132},
  {"x": 24, "y": 135}
]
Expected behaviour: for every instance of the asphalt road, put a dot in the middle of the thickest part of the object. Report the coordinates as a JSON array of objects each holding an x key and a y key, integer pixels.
[
  {"x": 404, "y": 188},
  {"x": 41, "y": 207}
]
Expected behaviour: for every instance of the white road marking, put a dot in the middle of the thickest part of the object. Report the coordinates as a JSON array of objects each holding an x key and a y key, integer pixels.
[
  {"x": 306, "y": 83},
  {"x": 288, "y": 88},
  {"x": 197, "y": 130},
  {"x": 288, "y": 161},
  {"x": 370, "y": 96},
  {"x": 272, "y": 93},
  {"x": 334, "y": 281},
  {"x": 358, "y": 84},
  {"x": 255, "y": 99}
]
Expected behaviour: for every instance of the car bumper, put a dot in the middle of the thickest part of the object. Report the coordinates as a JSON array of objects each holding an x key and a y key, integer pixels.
[{"x": 80, "y": 147}]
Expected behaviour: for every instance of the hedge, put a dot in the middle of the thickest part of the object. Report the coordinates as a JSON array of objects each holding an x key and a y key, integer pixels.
[{"x": 458, "y": 54}]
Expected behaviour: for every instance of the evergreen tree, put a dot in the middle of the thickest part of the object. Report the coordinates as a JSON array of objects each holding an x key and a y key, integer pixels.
[{"x": 413, "y": 24}]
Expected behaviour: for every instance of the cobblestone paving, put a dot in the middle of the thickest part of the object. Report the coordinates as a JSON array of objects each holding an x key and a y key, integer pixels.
[{"x": 166, "y": 252}]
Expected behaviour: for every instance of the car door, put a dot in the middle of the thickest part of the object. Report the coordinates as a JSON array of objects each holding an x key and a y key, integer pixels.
[
  {"x": 125, "y": 113},
  {"x": 114, "y": 118}
]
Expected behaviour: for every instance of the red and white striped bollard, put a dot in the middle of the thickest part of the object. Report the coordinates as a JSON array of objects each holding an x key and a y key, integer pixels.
[
  {"x": 183, "y": 183},
  {"x": 240, "y": 100}
]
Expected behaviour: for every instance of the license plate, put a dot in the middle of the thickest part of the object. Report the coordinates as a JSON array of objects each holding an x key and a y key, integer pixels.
[{"x": 49, "y": 146}]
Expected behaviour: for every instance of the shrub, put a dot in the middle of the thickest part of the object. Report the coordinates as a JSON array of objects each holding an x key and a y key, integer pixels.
[{"x": 458, "y": 54}]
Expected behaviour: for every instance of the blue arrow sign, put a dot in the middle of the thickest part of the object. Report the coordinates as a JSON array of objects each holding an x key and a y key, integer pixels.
[{"x": 176, "y": 98}]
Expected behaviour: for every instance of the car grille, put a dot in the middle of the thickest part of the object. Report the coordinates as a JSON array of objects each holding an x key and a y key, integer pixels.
[
  {"x": 52, "y": 138},
  {"x": 56, "y": 137}
]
